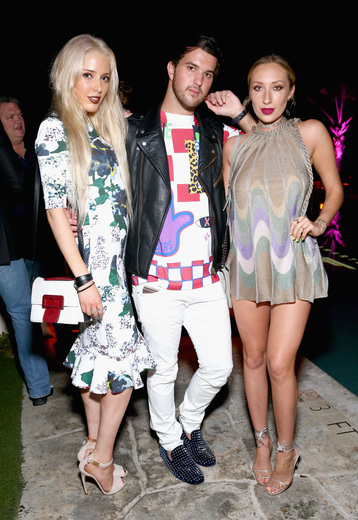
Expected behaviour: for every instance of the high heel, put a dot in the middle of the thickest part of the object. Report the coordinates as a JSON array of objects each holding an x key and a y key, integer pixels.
[
  {"x": 118, "y": 481},
  {"x": 90, "y": 444},
  {"x": 260, "y": 474},
  {"x": 277, "y": 485}
]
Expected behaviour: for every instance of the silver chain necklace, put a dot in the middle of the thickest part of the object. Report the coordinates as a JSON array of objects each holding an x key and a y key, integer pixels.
[{"x": 272, "y": 125}]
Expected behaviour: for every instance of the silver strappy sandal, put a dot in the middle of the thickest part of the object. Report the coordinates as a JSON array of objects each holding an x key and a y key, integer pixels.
[
  {"x": 262, "y": 474},
  {"x": 277, "y": 486}
]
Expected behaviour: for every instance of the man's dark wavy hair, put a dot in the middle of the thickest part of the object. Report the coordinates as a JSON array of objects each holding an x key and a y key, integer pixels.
[{"x": 206, "y": 43}]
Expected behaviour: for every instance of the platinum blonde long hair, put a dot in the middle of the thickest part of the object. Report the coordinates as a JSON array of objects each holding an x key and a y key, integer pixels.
[{"x": 108, "y": 120}]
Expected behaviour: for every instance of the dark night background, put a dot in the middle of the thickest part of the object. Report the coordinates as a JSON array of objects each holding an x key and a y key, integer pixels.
[{"x": 321, "y": 48}]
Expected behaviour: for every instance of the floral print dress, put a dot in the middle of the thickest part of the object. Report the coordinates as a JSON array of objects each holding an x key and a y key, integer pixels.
[{"x": 111, "y": 353}]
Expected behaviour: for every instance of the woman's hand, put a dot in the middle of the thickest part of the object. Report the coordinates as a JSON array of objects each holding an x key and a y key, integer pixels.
[
  {"x": 303, "y": 226},
  {"x": 90, "y": 300}
]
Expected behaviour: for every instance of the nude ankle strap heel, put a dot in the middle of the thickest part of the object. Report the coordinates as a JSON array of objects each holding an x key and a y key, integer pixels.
[
  {"x": 90, "y": 444},
  {"x": 118, "y": 481}
]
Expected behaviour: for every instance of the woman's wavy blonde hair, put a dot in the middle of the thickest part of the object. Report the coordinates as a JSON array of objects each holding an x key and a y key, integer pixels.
[{"x": 108, "y": 121}]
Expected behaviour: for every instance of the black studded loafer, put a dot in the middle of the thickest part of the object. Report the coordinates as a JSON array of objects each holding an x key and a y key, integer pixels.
[
  {"x": 198, "y": 449},
  {"x": 182, "y": 465}
]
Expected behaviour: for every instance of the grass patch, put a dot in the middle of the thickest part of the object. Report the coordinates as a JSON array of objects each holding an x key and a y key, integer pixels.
[
  {"x": 5, "y": 344},
  {"x": 11, "y": 387}
]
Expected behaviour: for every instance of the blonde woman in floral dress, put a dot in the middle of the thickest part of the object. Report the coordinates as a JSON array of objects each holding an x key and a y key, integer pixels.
[{"x": 82, "y": 159}]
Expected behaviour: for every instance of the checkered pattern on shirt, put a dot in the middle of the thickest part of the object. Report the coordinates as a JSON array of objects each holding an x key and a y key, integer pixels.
[{"x": 177, "y": 277}]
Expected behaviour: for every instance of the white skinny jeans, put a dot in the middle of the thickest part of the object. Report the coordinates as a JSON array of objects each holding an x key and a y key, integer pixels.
[{"x": 205, "y": 315}]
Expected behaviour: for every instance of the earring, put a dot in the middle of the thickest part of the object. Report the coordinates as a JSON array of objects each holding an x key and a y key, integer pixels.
[
  {"x": 291, "y": 102},
  {"x": 246, "y": 104}
]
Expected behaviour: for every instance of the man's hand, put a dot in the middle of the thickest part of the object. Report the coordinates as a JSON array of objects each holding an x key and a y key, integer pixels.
[
  {"x": 72, "y": 219},
  {"x": 224, "y": 103}
]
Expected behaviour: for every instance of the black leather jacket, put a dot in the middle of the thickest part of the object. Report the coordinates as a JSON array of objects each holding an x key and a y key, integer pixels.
[
  {"x": 12, "y": 182},
  {"x": 149, "y": 171}
]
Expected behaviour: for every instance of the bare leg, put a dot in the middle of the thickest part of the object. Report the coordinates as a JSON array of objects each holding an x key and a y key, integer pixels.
[
  {"x": 287, "y": 327},
  {"x": 92, "y": 406},
  {"x": 112, "y": 410},
  {"x": 253, "y": 323}
]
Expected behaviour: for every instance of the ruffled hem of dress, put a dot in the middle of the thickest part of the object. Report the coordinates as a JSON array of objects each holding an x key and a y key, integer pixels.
[
  {"x": 291, "y": 298},
  {"x": 100, "y": 374}
]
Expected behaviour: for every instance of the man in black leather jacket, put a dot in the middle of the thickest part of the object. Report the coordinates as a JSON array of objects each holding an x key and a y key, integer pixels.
[
  {"x": 151, "y": 187},
  {"x": 173, "y": 254}
]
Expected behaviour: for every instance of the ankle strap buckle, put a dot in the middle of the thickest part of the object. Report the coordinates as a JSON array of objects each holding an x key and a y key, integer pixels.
[
  {"x": 285, "y": 447},
  {"x": 91, "y": 460}
]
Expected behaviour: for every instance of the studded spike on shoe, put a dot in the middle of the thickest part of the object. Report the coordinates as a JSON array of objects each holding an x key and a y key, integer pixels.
[
  {"x": 182, "y": 465},
  {"x": 198, "y": 449}
]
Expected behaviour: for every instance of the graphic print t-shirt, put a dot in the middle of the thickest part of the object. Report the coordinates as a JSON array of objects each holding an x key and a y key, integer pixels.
[{"x": 182, "y": 258}]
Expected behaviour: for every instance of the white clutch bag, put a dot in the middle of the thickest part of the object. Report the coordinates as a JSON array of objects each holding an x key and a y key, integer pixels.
[{"x": 55, "y": 300}]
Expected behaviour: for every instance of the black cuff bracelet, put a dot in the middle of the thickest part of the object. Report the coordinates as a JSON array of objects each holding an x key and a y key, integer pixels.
[
  {"x": 82, "y": 280},
  {"x": 238, "y": 118},
  {"x": 88, "y": 286}
]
